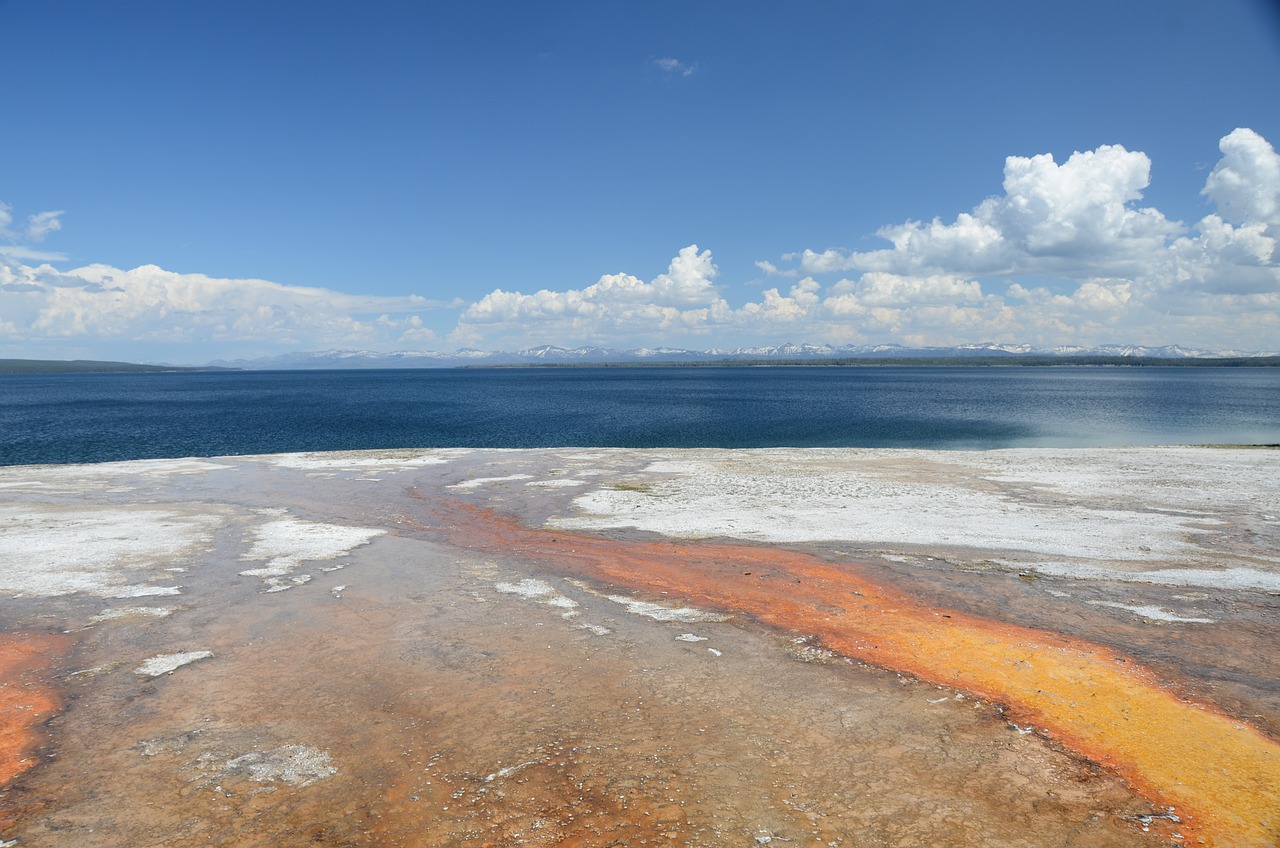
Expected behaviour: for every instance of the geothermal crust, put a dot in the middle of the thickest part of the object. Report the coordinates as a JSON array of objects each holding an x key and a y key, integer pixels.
[{"x": 617, "y": 646}]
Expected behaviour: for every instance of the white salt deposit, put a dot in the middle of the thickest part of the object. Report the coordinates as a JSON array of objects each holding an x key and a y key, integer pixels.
[
  {"x": 1115, "y": 511},
  {"x": 165, "y": 663},
  {"x": 1204, "y": 480},
  {"x": 690, "y": 637},
  {"x": 557, "y": 483},
  {"x": 132, "y": 612},
  {"x": 294, "y": 765},
  {"x": 777, "y": 506},
  {"x": 102, "y": 476},
  {"x": 1225, "y": 578},
  {"x": 280, "y": 584},
  {"x": 48, "y": 550},
  {"x": 537, "y": 590},
  {"x": 394, "y": 460},
  {"x": 1153, "y": 612},
  {"x": 509, "y": 770},
  {"x": 658, "y": 612},
  {"x": 147, "y": 591},
  {"x": 544, "y": 593},
  {"x": 527, "y": 588},
  {"x": 481, "y": 481},
  {"x": 151, "y": 467},
  {"x": 287, "y": 542}
]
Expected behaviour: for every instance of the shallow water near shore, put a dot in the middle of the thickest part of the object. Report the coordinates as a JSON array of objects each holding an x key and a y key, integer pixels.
[{"x": 481, "y": 647}]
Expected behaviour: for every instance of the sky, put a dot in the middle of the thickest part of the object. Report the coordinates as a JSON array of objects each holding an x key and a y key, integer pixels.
[{"x": 184, "y": 182}]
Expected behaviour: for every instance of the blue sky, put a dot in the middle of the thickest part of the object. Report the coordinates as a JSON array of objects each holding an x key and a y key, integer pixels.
[{"x": 245, "y": 178}]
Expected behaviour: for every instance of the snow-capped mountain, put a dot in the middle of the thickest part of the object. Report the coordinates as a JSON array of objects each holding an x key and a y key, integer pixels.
[
  {"x": 786, "y": 349},
  {"x": 555, "y": 353}
]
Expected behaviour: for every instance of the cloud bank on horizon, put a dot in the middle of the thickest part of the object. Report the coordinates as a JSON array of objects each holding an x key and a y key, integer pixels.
[{"x": 1066, "y": 254}]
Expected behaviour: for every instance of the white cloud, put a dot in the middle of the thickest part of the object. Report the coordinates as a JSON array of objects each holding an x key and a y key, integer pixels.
[
  {"x": 99, "y": 304},
  {"x": 1110, "y": 268},
  {"x": 26, "y": 254},
  {"x": 879, "y": 306},
  {"x": 38, "y": 226},
  {"x": 1072, "y": 219},
  {"x": 1245, "y": 184},
  {"x": 41, "y": 224},
  {"x": 1065, "y": 255},
  {"x": 777, "y": 309},
  {"x": 774, "y": 271},
  {"x": 615, "y": 306},
  {"x": 621, "y": 310},
  {"x": 880, "y": 288},
  {"x": 939, "y": 309},
  {"x": 675, "y": 67},
  {"x": 1218, "y": 258}
]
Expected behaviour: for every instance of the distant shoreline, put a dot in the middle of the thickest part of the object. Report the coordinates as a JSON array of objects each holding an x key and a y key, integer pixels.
[{"x": 88, "y": 366}]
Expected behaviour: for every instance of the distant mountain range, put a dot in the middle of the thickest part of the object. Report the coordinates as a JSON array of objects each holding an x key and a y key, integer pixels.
[{"x": 783, "y": 352}]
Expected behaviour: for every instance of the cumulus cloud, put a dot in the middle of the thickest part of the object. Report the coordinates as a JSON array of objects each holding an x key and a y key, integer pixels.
[
  {"x": 616, "y": 305},
  {"x": 1116, "y": 266},
  {"x": 1245, "y": 184},
  {"x": 684, "y": 307},
  {"x": 878, "y": 287},
  {"x": 1066, "y": 254},
  {"x": 1076, "y": 218},
  {"x": 1080, "y": 220},
  {"x": 94, "y": 304}
]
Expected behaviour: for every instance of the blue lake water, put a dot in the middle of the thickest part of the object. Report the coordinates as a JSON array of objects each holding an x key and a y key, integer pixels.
[{"x": 99, "y": 417}]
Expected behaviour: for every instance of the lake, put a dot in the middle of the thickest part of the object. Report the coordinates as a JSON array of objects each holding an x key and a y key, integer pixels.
[{"x": 73, "y": 418}]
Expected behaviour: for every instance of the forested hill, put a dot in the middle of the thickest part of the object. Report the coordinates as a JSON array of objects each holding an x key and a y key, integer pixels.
[{"x": 81, "y": 366}]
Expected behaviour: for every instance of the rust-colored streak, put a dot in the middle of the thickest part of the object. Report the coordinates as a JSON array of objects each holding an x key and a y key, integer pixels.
[
  {"x": 27, "y": 701},
  {"x": 1220, "y": 775}
]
